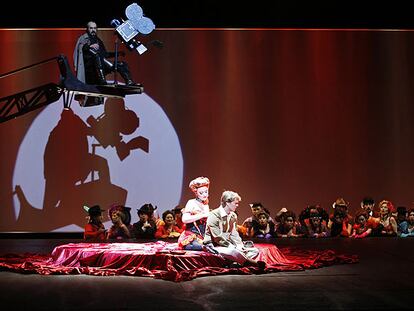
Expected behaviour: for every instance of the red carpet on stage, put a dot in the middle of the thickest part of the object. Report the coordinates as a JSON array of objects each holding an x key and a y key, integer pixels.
[{"x": 161, "y": 260}]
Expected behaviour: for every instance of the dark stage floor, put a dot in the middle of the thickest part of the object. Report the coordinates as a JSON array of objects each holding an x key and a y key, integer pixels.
[{"x": 382, "y": 280}]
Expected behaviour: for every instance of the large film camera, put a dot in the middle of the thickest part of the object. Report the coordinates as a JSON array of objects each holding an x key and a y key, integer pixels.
[{"x": 136, "y": 24}]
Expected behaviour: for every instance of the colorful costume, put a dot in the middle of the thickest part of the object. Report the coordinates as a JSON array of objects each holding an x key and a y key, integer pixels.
[
  {"x": 163, "y": 232},
  {"x": 92, "y": 232},
  {"x": 194, "y": 230},
  {"x": 94, "y": 229},
  {"x": 360, "y": 231},
  {"x": 120, "y": 230}
]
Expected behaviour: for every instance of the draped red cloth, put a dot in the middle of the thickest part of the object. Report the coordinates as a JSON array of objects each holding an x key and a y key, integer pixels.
[{"x": 161, "y": 260}]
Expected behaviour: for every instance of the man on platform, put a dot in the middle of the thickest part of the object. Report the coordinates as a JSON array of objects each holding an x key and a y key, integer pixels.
[{"x": 90, "y": 59}]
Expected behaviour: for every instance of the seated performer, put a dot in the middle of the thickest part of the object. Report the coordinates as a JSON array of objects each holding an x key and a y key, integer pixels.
[
  {"x": 121, "y": 219},
  {"x": 94, "y": 229},
  {"x": 339, "y": 225},
  {"x": 311, "y": 211},
  {"x": 248, "y": 223},
  {"x": 342, "y": 206},
  {"x": 316, "y": 227},
  {"x": 194, "y": 216},
  {"x": 368, "y": 204},
  {"x": 90, "y": 58},
  {"x": 146, "y": 227},
  {"x": 288, "y": 227},
  {"x": 263, "y": 229},
  {"x": 222, "y": 236},
  {"x": 361, "y": 228},
  {"x": 178, "y": 214},
  {"x": 387, "y": 223},
  {"x": 401, "y": 216},
  {"x": 169, "y": 229},
  {"x": 407, "y": 227}
]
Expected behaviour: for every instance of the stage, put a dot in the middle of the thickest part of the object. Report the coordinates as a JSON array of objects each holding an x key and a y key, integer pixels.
[{"x": 380, "y": 280}]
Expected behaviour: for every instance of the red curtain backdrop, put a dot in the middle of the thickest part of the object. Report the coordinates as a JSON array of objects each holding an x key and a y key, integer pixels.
[{"x": 285, "y": 117}]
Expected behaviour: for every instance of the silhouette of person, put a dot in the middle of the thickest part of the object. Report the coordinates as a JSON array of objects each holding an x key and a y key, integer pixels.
[{"x": 65, "y": 167}]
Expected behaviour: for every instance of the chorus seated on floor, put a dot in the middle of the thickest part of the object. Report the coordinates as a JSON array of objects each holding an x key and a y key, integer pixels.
[
  {"x": 361, "y": 227},
  {"x": 407, "y": 226},
  {"x": 288, "y": 226},
  {"x": 246, "y": 228},
  {"x": 94, "y": 229},
  {"x": 263, "y": 228},
  {"x": 169, "y": 229},
  {"x": 121, "y": 218},
  {"x": 387, "y": 224},
  {"x": 146, "y": 227},
  {"x": 339, "y": 225},
  {"x": 310, "y": 212},
  {"x": 314, "y": 222}
]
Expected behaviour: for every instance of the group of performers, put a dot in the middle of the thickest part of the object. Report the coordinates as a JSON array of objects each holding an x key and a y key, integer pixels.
[
  {"x": 381, "y": 220},
  {"x": 200, "y": 229},
  {"x": 214, "y": 231}
]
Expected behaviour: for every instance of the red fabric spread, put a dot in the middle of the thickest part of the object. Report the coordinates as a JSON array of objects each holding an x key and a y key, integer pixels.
[{"x": 160, "y": 260}]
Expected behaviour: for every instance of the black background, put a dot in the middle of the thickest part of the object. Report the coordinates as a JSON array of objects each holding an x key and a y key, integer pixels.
[{"x": 197, "y": 13}]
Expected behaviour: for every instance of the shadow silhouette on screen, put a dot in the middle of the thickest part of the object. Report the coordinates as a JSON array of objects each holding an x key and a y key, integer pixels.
[{"x": 74, "y": 175}]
